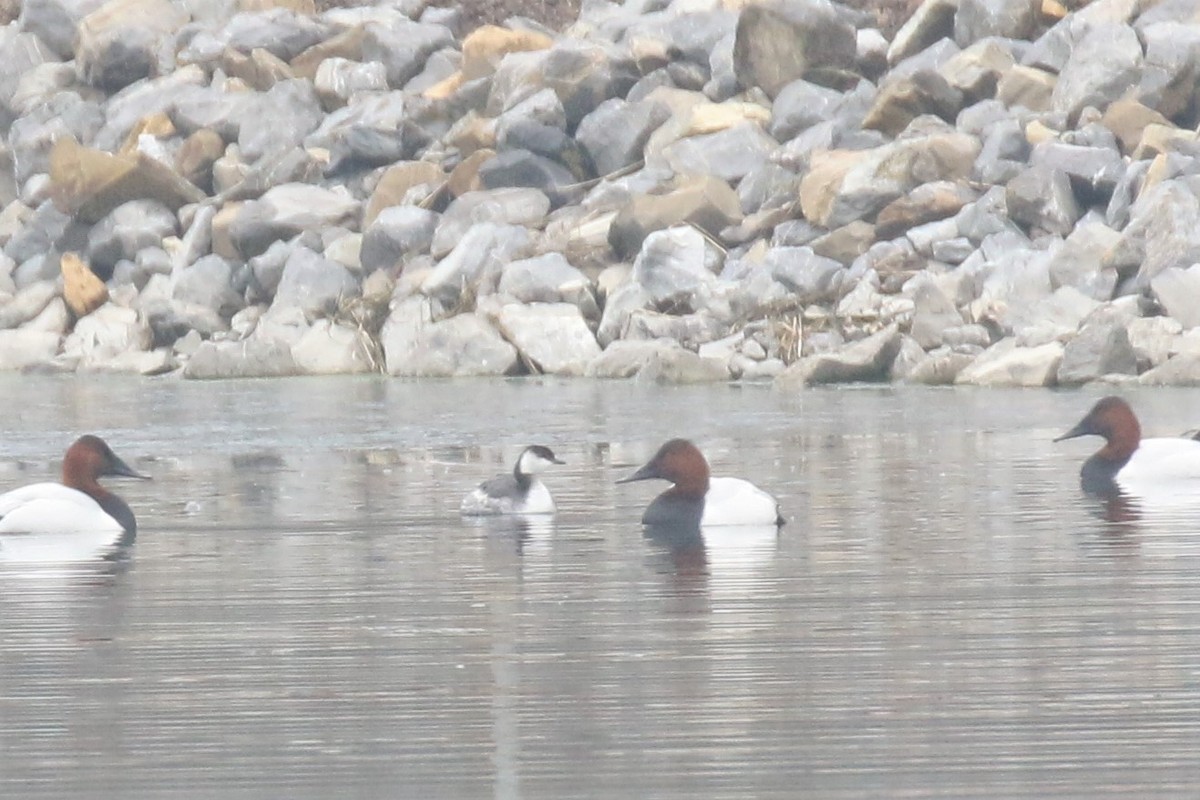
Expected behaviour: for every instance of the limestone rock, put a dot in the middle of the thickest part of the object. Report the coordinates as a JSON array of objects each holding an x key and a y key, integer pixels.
[
  {"x": 329, "y": 348},
  {"x": 397, "y": 181},
  {"x": 548, "y": 278},
  {"x": 903, "y": 99},
  {"x": 464, "y": 345},
  {"x": 22, "y": 348},
  {"x": 486, "y": 46},
  {"x": 1007, "y": 364},
  {"x": 117, "y": 43},
  {"x": 778, "y": 43},
  {"x": 398, "y": 232},
  {"x": 27, "y": 304},
  {"x": 314, "y": 284},
  {"x": 286, "y": 210},
  {"x": 1099, "y": 349},
  {"x": 1103, "y": 65},
  {"x": 672, "y": 268},
  {"x": 867, "y": 360},
  {"x": 1041, "y": 198},
  {"x": 509, "y": 206},
  {"x": 251, "y": 358},
  {"x": 977, "y": 19},
  {"x": 108, "y": 333},
  {"x": 627, "y": 357},
  {"x": 1178, "y": 292},
  {"x": 1179, "y": 370},
  {"x": 705, "y": 202},
  {"x": 552, "y": 336},
  {"x": 475, "y": 264},
  {"x": 615, "y": 133},
  {"x": 679, "y": 366},
  {"x": 932, "y": 20}
]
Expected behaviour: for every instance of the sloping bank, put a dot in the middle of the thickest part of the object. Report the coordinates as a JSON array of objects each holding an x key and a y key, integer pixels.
[{"x": 1003, "y": 194}]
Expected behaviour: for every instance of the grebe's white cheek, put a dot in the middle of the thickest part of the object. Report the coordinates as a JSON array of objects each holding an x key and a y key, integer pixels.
[{"x": 532, "y": 464}]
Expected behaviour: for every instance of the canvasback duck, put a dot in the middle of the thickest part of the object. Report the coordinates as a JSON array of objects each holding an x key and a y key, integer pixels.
[
  {"x": 518, "y": 493},
  {"x": 698, "y": 499},
  {"x": 78, "y": 505},
  {"x": 1127, "y": 461}
]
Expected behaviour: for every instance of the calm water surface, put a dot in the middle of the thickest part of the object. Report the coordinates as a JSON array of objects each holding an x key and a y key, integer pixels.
[{"x": 305, "y": 614}]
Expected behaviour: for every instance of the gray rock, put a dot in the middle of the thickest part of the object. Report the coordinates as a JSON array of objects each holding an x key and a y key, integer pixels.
[
  {"x": 553, "y": 337},
  {"x": 476, "y": 263},
  {"x": 1094, "y": 171},
  {"x": 867, "y": 360},
  {"x": 799, "y": 106},
  {"x": 281, "y": 32},
  {"x": 22, "y": 348},
  {"x": 1053, "y": 318},
  {"x": 940, "y": 367},
  {"x": 616, "y": 132},
  {"x": 509, "y": 206},
  {"x": 55, "y": 21},
  {"x": 208, "y": 283},
  {"x": 314, "y": 284},
  {"x": 1153, "y": 339},
  {"x": 526, "y": 168},
  {"x": 252, "y": 358},
  {"x": 693, "y": 331},
  {"x": 1040, "y": 198},
  {"x": 548, "y": 278},
  {"x": 1178, "y": 292},
  {"x": 1103, "y": 66},
  {"x": 1167, "y": 81},
  {"x": 339, "y": 79},
  {"x": 397, "y": 232},
  {"x": 679, "y": 366},
  {"x": 126, "y": 231},
  {"x": 811, "y": 277},
  {"x": 106, "y": 334},
  {"x": 328, "y": 348},
  {"x": 777, "y": 44},
  {"x": 290, "y": 110},
  {"x": 1179, "y": 370},
  {"x": 977, "y": 19},
  {"x": 198, "y": 108},
  {"x": 1080, "y": 261},
  {"x": 371, "y": 130},
  {"x": 1163, "y": 232},
  {"x": 933, "y": 313},
  {"x": 117, "y": 44},
  {"x": 464, "y": 345},
  {"x": 970, "y": 336},
  {"x": 619, "y": 306},
  {"x": 31, "y": 138},
  {"x": 626, "y": 358},
  {"x": 932, "y": 20},
  {"x": 672, "y": 268},
  {"x": 1099, "y": 349},
  {"x": 403, "y": 46},
  {"x": 286, "y": 210},
  {"x": 22, "y": 55},
  {"x": 728, "y": 154},
  {"x": 1007, "y": 364},
  {"x": 27, "y": 304}
]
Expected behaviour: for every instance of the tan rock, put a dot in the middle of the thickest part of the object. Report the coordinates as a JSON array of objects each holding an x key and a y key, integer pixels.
[
  {"x": 472, "y": 132},
  {"x": 465, "y": 177},
  {"x": 1026, "y": 86},
  {"x": 445, "y": 88},
  {"x": 89, "y": 183},
  {"x": 158, "y": 125},
  {"x": 927, "y": 203},
  {"x": 902, "y": 100},
  {"x": 933, "y": 20},
  {"x": 1127, "y": 119},
  {"x": 197, "y": 155},
  {"x": 260, "y": 70},
  {"x": 820, "y": 185},
  {"x": 1037, "y": 132},
  {"x": 846, "y": 243},
  {"x": 693, "y": 118},
  {"x": 1159, "y": 139},
  {"x": 82, "y": 290},
  {"x": 704, "y": 201},
  {"x": 484, "y": 47},
  {"x": 1053, "y": 9},
  {"x": 222, "y": 239},
  {"x": 396, "y": 183},
  {"x": 347, "y": 44}
]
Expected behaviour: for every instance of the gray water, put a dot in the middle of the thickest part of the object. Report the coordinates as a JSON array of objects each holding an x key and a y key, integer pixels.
[{"x": 304, "y": 613}]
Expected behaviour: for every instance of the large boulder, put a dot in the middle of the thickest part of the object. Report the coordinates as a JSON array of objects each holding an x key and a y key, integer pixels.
[
  {"x": 553, "y": 337},
  {"x": 465, "y": 345},
  {"x": 777, "y": 43}
]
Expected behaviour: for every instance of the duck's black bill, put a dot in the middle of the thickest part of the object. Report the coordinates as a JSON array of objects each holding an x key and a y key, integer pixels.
[
  {"x": 119, "y": 467},
  {"x": 644, "y": 474}
]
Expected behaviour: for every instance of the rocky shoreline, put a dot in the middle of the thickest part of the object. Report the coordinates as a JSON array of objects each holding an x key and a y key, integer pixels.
[{"x": 1005, "y": 193}]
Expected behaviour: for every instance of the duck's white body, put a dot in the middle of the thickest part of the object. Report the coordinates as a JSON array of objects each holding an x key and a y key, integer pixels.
[
  {"x": 1161, "y": 466},
  {"x": 47, "y": 522},
  {"x": 733, "y": 501}
]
